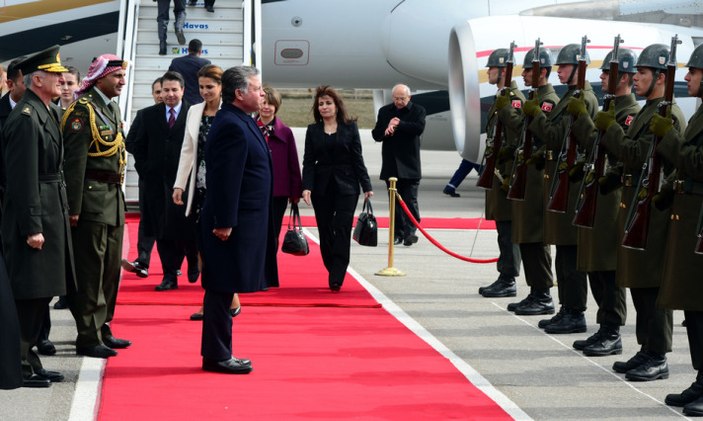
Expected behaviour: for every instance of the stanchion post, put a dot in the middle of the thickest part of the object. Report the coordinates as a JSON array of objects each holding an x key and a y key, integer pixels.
[{"x": 390, "y": 270}]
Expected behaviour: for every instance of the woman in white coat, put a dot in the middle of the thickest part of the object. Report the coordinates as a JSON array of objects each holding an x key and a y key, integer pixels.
[{"x": 191, "y": 165}]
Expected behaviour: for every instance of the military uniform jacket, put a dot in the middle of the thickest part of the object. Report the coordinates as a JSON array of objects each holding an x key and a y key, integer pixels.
[
  {"x": 681, "y": 286},
  {"x": 35, "y": 201},
  {"x": 498, "y": 207},
  {"x": 639, "y": 268},
  {"x": 95, "y": 159},
  {"x": 558, "y": 227},
  {"x": 597, "y": 247},
  {"x": 528, "y": 215}
]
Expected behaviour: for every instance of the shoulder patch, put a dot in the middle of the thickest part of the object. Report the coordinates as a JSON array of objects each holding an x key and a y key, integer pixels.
[
  {"x": 516, "y": 103},
  {"x": 76, "y": 124},
  {"x": 547, "y": 106},
  {"x": 27, "y": 110},
  {"x": 629, "y": 119}
]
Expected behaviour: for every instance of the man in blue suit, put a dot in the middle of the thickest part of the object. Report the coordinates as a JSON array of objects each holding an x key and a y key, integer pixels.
[
  {"x": 239, "y": 187},
  {"x": 188, "y": 66}
]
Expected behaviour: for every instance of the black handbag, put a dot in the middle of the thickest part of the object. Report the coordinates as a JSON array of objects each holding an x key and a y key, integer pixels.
[
  {"x": 366, "y": 230},
  {"x": 294, "y": 242}
]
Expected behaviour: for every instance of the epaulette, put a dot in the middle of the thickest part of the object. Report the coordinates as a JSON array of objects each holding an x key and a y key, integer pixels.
[{"x": 27, "y": 110}]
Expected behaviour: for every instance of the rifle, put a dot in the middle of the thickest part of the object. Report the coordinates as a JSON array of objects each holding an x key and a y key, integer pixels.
[
  {"x": 699, "y": 244},
  {"x": 524, "y": 152},
  {"x": 559, "y": 197},
  {"x": 595, "y": 167},
  {"x": 485, "y": 180},
  {"x": 637, "y": 227}
]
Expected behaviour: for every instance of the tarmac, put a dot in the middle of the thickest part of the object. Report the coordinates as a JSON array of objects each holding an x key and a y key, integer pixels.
[{"x": 533, "y": 375}]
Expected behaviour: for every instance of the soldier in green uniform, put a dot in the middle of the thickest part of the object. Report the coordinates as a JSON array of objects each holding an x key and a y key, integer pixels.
[
  {"x": 597, "y": 247},
  {"x": 498, "y": 207},
  {"x": 527, "y": 215},
  {"x": 681, "y": 287},
  {"x": 35, "y": 233},
  {"x": 95, "y": 164},
  {"x": 558, "y": 227},
  {"x": 641, "y": 270}
]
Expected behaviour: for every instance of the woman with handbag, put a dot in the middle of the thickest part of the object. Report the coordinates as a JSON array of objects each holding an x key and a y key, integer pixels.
[
  {"x": 287, "y": 184},
  {"x": 191, "y": 165},
  {"x": 333, "y": 170}
]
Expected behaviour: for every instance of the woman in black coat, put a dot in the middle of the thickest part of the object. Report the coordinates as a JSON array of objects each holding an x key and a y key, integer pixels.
[{"x": 333, "y": 169}]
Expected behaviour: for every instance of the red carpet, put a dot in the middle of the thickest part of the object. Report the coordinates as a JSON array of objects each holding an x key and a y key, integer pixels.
[{"x": 347, "y": 358}]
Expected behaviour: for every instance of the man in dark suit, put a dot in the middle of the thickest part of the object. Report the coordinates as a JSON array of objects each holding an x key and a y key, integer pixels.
[
  {"x": 188, "y": 66},
  {"x": 399, "y": 126},
  {"x": 16, "y": 88},
  {"x": 155, "y": 142},
  {"x": 239, "y": 187}
]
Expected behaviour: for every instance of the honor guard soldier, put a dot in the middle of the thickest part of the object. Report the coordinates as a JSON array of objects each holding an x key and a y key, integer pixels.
[
  {"x": 527, "y": 210},
  {"x": 641, "y": 270},
  {"x": 555, "y": 130},
  {"x": 499, "y": 163},
  {"x": 681, "y": 288},
  {"x": 598, "y": 244},
  {"x": 35, "y": 233},
  {"x": 95, "y": 164}
]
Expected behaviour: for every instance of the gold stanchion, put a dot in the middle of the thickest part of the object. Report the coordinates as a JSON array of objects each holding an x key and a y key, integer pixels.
[{"x": 390, "y": 270}]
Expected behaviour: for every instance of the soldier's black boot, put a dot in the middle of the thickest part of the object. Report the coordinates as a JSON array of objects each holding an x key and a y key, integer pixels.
[
  {"x": 624, "y": 366},
  {"x": 688, "y": 396},
  {"x": 608, "y": 343},
  {"x": 545, "y": 322},
  {"x": 573, "y": 321},
  {"x": 582, "y": 343},
  {"x": 694, "y": 409},
  {"x": 524, "y": 301},
  {"x": 503, "y": 287},
  {"x": 541, "y": 304},
  {"x": 496, "y": 282},
  {"x": 654, "y": 368}
]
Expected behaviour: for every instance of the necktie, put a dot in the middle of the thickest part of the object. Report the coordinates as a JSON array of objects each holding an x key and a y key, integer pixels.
[{"x": 171, "y": 118}]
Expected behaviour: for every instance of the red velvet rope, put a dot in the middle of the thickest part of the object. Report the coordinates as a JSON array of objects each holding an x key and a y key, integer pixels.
[{"x": 434, "y": 241}]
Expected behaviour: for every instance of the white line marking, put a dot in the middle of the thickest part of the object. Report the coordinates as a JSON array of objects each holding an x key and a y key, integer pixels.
[{"x": 88, "y": 387}]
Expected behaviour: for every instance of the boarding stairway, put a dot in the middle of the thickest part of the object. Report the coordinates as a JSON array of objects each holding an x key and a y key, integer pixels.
[{"x": 226, "y": 43}]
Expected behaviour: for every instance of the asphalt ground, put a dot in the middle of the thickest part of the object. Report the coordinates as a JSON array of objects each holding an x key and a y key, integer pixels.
[{"x": 532, "y": 374}]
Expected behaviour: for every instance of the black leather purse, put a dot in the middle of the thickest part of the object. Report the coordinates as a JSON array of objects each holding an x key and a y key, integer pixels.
[
  {"x": 294, "y": 242},
  {"x": 366, "y": 230}
]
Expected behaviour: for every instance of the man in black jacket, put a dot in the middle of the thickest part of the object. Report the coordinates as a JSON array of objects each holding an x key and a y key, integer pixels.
[
  {"x": 399, "y": 126},
  {"x": 188, "y": 66}
]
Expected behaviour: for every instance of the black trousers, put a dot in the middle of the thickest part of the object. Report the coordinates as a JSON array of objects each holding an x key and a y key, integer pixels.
[
  {"x": 653, "y": 326},
  {"x": 145, "y": 243},
  {"x": 573, "y": 289},
  {"x": 45, "y": 326},
  {"x": 31, "y": 315},
  {"x": 694, "y": 330},
  {"x": 508, "y": 264},
  {"x": 407, "y": 188},
  {"x": 279, "y": 204},
  {"x": 216, "y": 341},
  {"x": 172, "y": 252},
  {"x": 612, "y": 307},
  {"x": 537, "y": 262},
  {"x": 334, "y": 214}
]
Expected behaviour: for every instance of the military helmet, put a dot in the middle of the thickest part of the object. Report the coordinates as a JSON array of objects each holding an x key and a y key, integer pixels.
[
  {"x": 570, "y": 54},
  {"x": 654, "y": 56},
  {"x": 626, "y": 61},
  {"x": 545, "y": 58},
  {"x": 696, "y": 59},
  {"x": 498, "y": 58}
]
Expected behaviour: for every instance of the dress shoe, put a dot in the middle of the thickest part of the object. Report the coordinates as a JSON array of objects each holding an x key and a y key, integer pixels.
[
  {"x": 409, "y": 240},
  {"x": 654, "y": 368},
  {"x": 450, "y": 191},
  {"x": 554, "y": 319},
  {"x": 524, "y": 301},
  {"x": 178, "y": 272},
  {"x": 180, "y": 36},
  {"x": 692, "y": 394},
  {"x": 46, "y": 347},
  {"x": 196, "y": 316},
  {"x": 235, "y": 311},
  {"x": 116, "y": 343},
  {"x": 398, "y": 240},
  {"x": 193, "y": 275},
  {"x": 61, "y": 304},
  {"x": 504, "y": 287},
  {"x": 35, "y": 381},
  {"x": 210, "y": 9},
  {"x": 540, "y": 304},
  {"x": 580, "y": 344},
  {"x": 573, "y": 321},
  {"x": 231, "y": 366},
  {"x": 609, "y": 343},
  {"x": 192, "y": 3},
  {"x": 624, "y": 366},
  {"x": 96, "y": 351},
  {"x": 335, "y": 287},
  {"x": 694, "y": 409},
  {"x": 162, "y": 48},
  {"x": 166, "y": 285},
  {"x": 135, "y": 267},
  {"x": 52, "y": 376},
  {"x": 496, "y": 282}
]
